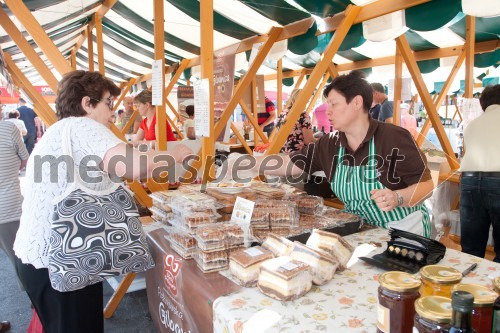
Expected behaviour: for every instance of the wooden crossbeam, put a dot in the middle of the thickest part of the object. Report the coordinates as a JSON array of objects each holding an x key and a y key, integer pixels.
[
  {"x": 100, "y": 43},
  {"x": 28, "y": 50},
  {"x": 300, "y": 79},
  {"x": 90, "y": 48},
  {"x": 241, "y": 139},
  {"x": 30, "y": 23},
  {"x": 398, "y": 86},
  {"x": 439, "y": 99},
  {"x": 182, "y": 66},
  {"x": 318, "y": 93},
  {"x": 470, "y": 38},
  {"x": 403, "y": 45},
  {"x": 257, "y": 130},
  {"x": 130, "y": 122},
  {"x": 255, "y": 108},
  {"x": 350, "y": 14},
  {"x": 171, "y": 107},
  {"x": 279, "y": 83},
  {"x": 125, "y": 91}
]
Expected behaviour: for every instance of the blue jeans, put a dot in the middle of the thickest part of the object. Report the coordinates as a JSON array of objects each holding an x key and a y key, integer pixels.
[{"x": 479, "y": 208}]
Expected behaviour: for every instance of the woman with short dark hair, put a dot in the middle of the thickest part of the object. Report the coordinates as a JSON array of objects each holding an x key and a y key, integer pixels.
[{"x": 84, "y": 106}]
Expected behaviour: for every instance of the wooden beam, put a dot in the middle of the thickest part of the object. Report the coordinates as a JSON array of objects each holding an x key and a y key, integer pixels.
[
  {"x": 403, "y": 45},
  {"x": 444, "y": 92},
  {"x": 241, "y": 139},
  {"x": 470, "y": 37},
  {"x": 255, "y": 109},
  {"x": 125, "y": 91},
  {"x": 44, "y": 111},
  {"x": 100, "y": 43},
  {"x": 351, "y": 12},
  {"x": 207, "y": 72},
  {"x": 73, "y": 59},
  {"x": 301, "y": 78},
  {"x": 255, "y": 124},
  {"x": 279, "y": 84},
  {"x": 370, "y": 11},
  {"x": 182, "y": 66},
  {"x": 87, "y": 34},
  {"x": 90, "y": 48},
  {"x": 130, "y": 122},
  {"x": 247, "y": 79},
  {"x": 318, "y": 93},
  {"x": 398, "y": 86},
  {"x": 30, "y": 23},
  {"x": 159, "y": 42},
  {"x": 18, "y": 38}
]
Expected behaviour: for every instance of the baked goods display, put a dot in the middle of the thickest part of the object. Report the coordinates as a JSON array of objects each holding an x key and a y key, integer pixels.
[
  {"x": 260, "y": 219},
  {"x": 160, "y": 215},
  {"x": 212, "y": 261},
  {"x": 284, "y": 278},
  {"x": 308, "y": 204},
  {"x": 333, "y": 244},
  {"x": 235, "y": 236},
  {"x": 268, "y": 191},
  {"x": 323, "y": 265},
  {"x": 278, "y": 245},
  {"x": 211, "y": 238},
  {"x": 336, "y": 215},
  {"x": 244, "y": 264}
]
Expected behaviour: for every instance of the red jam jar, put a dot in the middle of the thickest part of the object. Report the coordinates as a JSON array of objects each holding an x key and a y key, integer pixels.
[
  {"x": 482, "y": 313},
  {"x": 396, "y": 302},
  {"x": 433, "y": 314}
]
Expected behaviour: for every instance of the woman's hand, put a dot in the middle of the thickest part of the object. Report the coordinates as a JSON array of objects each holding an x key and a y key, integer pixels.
[{"x": 385, "y": 199}]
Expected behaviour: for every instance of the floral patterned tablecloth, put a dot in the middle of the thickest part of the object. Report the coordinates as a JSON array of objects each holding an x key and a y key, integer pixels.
[{"x": 346, "y": 304}]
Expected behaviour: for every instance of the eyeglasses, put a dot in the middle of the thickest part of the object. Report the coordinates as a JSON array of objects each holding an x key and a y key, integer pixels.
[{"x": 108, "y": 101}]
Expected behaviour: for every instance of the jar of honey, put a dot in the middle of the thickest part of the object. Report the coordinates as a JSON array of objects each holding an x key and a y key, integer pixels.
[
  {"x": 433, "y": 314},
  {"x": 496, "y": 285},
  {"x": 396, "y": 302},
  {"x": 482, "y": 312},
  {"x": 438, "y": 280}
]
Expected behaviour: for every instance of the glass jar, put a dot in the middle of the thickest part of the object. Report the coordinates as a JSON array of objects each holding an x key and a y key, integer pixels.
[
  {"x": 396, "y": 302},
  {"x": 482, "y": 313},
  {"x": 438, "y": 280},
  {"x": 433, "y": 314},
  {"x": 496, "y": 285}
]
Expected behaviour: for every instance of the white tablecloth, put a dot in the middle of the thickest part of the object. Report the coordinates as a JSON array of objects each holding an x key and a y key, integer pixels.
[{"x": 345, "y": 304}]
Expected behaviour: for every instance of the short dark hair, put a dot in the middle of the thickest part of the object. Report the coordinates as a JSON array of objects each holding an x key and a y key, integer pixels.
[
  {"x": 490, "y": 96},
  {"x": 76, "y": 85},
  {"x": 145, "y": 96},
  {"x": 120, "y": 111},
  {"x": 190, "y": 110},
  {"x": 352, "y": 85},
  {"x": 13, "y": 114},
  {"x": 21, "y": 100},
  {"x": 378, "y": 87}
]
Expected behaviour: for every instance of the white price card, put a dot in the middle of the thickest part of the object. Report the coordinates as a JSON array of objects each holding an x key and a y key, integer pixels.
[
  {"x": 157, "y": 85},
  {"x": 202, "y": 108}
]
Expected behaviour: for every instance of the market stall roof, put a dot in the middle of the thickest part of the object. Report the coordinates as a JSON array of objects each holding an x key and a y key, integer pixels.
[{"x": 129, "y": 34}]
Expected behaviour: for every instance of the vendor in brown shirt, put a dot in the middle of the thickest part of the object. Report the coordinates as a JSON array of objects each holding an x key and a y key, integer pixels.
[{"x": 375, "y": 168}]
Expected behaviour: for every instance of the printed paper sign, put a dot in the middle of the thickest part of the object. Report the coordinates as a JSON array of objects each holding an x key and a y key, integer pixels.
[
  {"x": 157, "y": 83},
  {"x": 243, "y": 210},
  {"x": 202, "y": 108}
]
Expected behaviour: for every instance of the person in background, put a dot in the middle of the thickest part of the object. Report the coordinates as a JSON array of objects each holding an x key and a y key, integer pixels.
[
  {"x": 320, "y": 118},
  {"x": 408, "y": 121},
  {"x": 14, "y": 157},
  {"x": 40, "y": 128},
  {"x": 27, "y": 115},
  {"x": 386, "y": 106},
  {"x": 266, "y": 119},
  {"x": 480, "y": 178},
  {"x": 85, "y": 109},
  {"x": 302, "y": 133},
  {"x": 128, "y": 104},
  {"x": 14, "y": 118},
  {"x": 375, "y": 110},
  {"x": 189, "y": 133},
  {"x": 147, "y": 130},
  {"x": 119, "y": 119}
]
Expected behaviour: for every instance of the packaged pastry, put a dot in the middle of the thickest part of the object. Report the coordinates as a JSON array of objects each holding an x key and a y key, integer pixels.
[
  {"x": 282, "y": 217},
  {"x": 284, "y": 278},
  {"x": 212, "y": 261},
  {"x": 278, "y": 245},
  {"x": 235, "y": 235},
  {"x": 211, "y": 238},
  {"x": 333, "y": 244},
  {"x": 309, "y": 204},
  {"x": 269, "y": 191},
  {"x": 323, "y": 265},
  {"x": 339, "y": 215},
  {"x": 162, "y": 199},
  {"x": 244, "y": 264},
  {"x": 160, "y": 215},
  {"x": 192, "y": 221},
  {"x": 260, "y": 218}
]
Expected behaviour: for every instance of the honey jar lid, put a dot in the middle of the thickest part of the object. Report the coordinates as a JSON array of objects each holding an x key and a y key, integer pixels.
[
  {"x": 496, "y": 284},
  {"x": 434, "y": 308},
  {"x": 399, "y": 281},
  {"x": 482, "y": 295},
  {"x": 440, "y": 274}
]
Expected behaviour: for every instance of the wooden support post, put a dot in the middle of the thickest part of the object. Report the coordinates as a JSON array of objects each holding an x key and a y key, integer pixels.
[
  {"x": 130, "y": 122},
  {"x": 254, "y": 123},
  {"x": 100, "y": 43},
  {"x": 182, "y": 66},
  {"x": 398, "y": 87},
  {"x": 28, "y": 50},
  {"x": 26, "y": 18},
  {"x": 300, "y": 79},
  {"x": 115, "y": 300},
  {"x": 350, "y": 14},
  {"x": 318, "y": 93},
  {"x": 159, "y": 36},
  {"x": 279, "y": 88},
  {"x": 241, "y": 139},
  {"x": 90, "y": 47},
  {"x": 255, "y": 108},
  {"x": 444, "y": 92},
  {"x": 470, "y": 39},
  {"x": 125, "y": 91},
  {"x": 207, "y": 72},
  {"x": 174, "y": 111},
  {"x": 404, "y": 47},
  {"x": 73, "y": 59}
]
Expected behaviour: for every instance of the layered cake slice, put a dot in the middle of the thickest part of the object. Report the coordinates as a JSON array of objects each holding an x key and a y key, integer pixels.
[
  {"x": 212, "y": 261},
  {"x": 244, "y": 264},
  {"x": 323, "y": 265},
  {"x": 235, "y": 236},
  {"x": 284, "y": 278},
  {"x": 211, "y": 238},
  {"x": 333, "y": 244},
  {"x": 278, "y": 245},
  {"x": 260, "y": 219}
]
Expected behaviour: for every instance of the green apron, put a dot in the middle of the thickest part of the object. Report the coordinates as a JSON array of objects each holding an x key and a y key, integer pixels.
[{"x": 352, "y": 185}]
